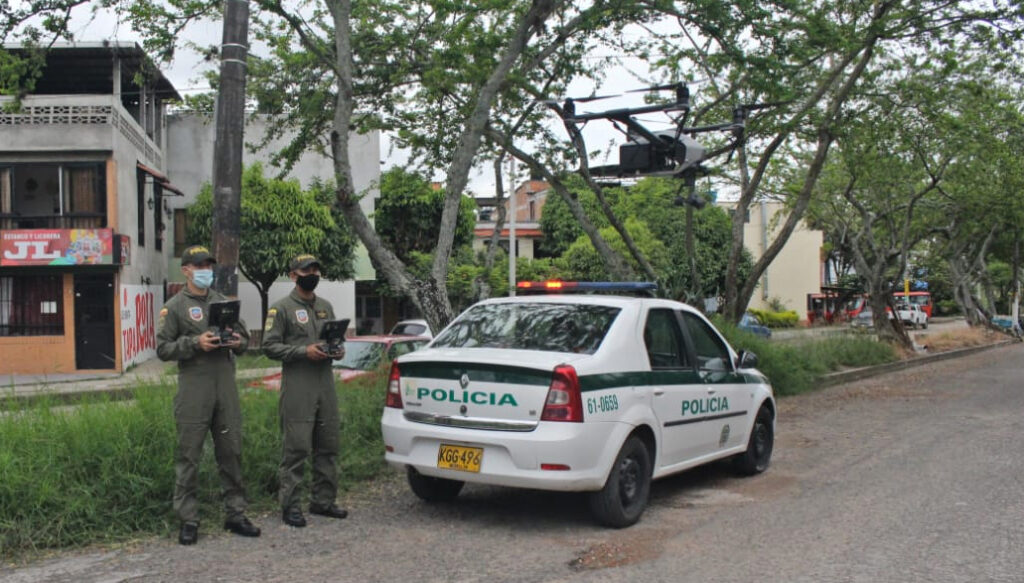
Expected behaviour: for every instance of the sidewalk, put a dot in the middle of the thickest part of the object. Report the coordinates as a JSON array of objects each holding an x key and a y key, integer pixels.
[{"x": 72, "y": 387}]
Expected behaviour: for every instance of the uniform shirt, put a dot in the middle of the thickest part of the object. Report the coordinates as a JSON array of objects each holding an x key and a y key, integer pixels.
[
  {"x": 182, "y": 319},
  {"x": 292, "y": 324}
]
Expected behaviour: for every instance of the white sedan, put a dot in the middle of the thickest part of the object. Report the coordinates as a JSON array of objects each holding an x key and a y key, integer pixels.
[{"x": 589, "y": 393}]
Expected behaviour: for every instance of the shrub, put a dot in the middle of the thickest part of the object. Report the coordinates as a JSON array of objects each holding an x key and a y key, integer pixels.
[
  {"x": 787, "y": 319},
  {"x": 103, "y": 470}
]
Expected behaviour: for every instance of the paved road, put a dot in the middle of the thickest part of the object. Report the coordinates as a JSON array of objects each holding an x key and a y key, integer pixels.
[{"x": 914, "y": 476}]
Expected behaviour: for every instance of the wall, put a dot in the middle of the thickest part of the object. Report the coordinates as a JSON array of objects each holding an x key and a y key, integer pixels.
[
  {"x": 138, "y": 306},
  {"x": 43, "y": 354}
]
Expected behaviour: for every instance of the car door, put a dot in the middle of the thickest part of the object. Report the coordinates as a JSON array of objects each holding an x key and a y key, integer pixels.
[
  {"x": 725, "y": 403},
  {"x": 675, "y": 386}
]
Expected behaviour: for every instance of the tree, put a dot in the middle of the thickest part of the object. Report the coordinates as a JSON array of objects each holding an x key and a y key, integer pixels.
[
  {"x": 279, "y": 221},
  {"x": 408, "y": 214},
  {"x": 583, "y": 262}
]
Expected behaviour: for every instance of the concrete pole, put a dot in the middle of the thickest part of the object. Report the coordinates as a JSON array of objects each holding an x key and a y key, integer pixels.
[{"x": 227, "y": 147}]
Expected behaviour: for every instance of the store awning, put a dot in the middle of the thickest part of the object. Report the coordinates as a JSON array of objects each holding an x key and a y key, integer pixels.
[{"x": 160, "y": 177}]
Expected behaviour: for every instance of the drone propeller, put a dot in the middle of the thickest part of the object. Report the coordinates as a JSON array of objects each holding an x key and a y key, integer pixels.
[
  {"x": 591, "y": 98},
  {"x": 682, "y": 91}
]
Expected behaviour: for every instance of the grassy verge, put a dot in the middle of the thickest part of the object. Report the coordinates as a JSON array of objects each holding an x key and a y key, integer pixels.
[
  {"x": 103, "y": 470},
  {"x": 794, "y": 368}
]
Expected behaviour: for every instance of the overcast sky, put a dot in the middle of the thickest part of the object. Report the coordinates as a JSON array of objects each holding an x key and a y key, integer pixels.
[{"x": 185, "y": 73}]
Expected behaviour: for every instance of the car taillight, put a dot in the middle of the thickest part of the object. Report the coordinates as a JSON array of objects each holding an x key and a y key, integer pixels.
[
  {"x": 564, "y": 402},
  {"x": 394, "y": 387}
]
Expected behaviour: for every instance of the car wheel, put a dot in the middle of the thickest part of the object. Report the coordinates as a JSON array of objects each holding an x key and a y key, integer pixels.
[
  {"x": 759, "y": 447},
  {"x": 925, "y": 325},
  {"x": 432, "y": 489},
  {"x": 624, "y": 496}
]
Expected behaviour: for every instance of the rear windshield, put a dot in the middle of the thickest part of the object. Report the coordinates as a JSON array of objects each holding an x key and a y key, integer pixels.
[
  {"x": 530, "y": 326},
  {"x": 409, "y": 329}
]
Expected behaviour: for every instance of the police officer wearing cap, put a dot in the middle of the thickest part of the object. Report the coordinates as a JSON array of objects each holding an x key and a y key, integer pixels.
[
  {"x": 207, "y": 397},
  {"x": 308, "y": 407}
]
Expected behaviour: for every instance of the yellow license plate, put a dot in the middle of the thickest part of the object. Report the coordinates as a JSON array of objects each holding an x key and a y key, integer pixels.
[{"x": 457, "y": 457}]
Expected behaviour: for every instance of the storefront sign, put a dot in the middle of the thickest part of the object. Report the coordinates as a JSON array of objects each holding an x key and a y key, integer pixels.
[
  {"x": 138, "y": 323},
  {"x": 57, "y": 247}
]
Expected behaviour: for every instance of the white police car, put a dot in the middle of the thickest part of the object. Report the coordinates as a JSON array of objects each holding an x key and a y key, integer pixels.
[{"x": 590, "y": 393}]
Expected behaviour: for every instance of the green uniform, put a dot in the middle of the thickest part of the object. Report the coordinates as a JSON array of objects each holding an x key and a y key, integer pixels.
[
  {"x": 206, "y": 401},
  {"x": 308, "y": 406}
]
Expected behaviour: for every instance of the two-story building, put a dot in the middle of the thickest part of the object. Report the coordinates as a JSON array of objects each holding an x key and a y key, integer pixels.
[{"x": 83, "y": 209}]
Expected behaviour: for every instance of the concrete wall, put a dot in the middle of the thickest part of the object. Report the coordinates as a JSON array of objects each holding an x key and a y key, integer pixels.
[{"x": 796, "y": 271}]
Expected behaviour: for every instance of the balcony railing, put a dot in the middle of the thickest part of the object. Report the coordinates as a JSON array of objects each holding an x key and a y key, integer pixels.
[{"x": 10, "y": 221}]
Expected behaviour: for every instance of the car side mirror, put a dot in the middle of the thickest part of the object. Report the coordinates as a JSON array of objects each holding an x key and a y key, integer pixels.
[{"x": 746, "y": 359}]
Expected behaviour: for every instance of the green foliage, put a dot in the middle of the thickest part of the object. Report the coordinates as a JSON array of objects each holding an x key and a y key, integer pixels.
[
  {"x": 279, "y": 220},
  {"x": 794, "y": 368},
  {"x": 103, "y": 471},
  {"x": 776, "y": 319},
  {"x": 582, "y": 261},
  {"x": 408, "y": 214},
  {"x": 559, "y": 226}
]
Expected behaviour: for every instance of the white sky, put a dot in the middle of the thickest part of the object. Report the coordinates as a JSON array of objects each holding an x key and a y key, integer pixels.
[{"x": 185, "y": 73}]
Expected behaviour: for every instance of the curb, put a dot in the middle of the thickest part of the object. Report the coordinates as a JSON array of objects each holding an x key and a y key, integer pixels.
[{"x": 847, "y": 376}]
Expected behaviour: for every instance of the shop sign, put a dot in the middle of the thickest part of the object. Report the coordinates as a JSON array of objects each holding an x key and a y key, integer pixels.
[
  {"x": 57, "y": 247},
  {"x": 138, "y": 323}
]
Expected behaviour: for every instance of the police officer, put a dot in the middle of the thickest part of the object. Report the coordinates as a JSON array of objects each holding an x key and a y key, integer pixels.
[
  {"x": 207, "y": 397},
  {"x": 308, "y": 406}
]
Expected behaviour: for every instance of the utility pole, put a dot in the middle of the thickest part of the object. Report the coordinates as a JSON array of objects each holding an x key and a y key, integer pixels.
[
  {"x": 513, "y": 206},
  {"x": 227, "y": 146}
]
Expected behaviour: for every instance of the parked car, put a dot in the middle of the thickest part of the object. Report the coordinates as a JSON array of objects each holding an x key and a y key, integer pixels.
[
  {"x": 413, "y": 328},
  {"x": 585, "y": 393},
  {"x": 363, "y": 355},
  {"x": 912, "y": 315},
  {"x": 752, "y": 324},
  {"x": 864, "y": 320}
]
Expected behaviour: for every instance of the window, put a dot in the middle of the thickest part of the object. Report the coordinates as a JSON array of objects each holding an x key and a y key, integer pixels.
[
  {"x": 531, "y": 326},
  {"x": 140, "y": 203},
  {"x": 53, "y": 196},
  {"x": 180, "y": 230},
  {"x": 31, "y": 305},
  {"x": 665, "y": 348},
  {"x": 711, "y": 352}
]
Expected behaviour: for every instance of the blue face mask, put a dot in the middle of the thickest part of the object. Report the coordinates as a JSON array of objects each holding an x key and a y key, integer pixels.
[{"x": 202, "y": 278}]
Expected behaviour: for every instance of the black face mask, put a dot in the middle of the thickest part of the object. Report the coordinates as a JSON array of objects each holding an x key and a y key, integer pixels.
[{"x": 308, "y": 282}]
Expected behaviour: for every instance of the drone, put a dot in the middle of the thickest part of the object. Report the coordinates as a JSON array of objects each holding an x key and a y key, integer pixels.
[{"x": 675, "y": 153}]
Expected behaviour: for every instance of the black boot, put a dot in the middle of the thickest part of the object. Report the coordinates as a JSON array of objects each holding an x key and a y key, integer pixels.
[
  {"x": 241, "y": 525},
  {"x": 331, "y": 511},
  {"x": 293, "y": 517},
  {"x": 189, "y": 533}
]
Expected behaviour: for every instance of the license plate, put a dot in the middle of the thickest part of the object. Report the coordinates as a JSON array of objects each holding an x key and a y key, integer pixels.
[{"x": 458, "y": 457}]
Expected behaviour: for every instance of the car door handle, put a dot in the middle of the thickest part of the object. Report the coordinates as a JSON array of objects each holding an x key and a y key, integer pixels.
[
  {"x": 712, "y": 391},
  {"x": 659, "y": 392}
]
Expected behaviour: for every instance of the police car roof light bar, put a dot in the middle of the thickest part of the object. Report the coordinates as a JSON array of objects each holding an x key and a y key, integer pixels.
[{"x": 588, "y": 286}]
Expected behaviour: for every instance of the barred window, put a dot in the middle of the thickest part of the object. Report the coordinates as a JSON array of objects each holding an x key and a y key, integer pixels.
[{"x": 31, "y": 305}]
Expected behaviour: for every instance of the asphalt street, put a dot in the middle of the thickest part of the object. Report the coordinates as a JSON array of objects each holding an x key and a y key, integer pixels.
[{"x": 911, "y": 476}]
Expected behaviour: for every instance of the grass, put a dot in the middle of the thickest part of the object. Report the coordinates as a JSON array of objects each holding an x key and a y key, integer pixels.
[
  {"x": 795, "y": 368},
  {"x": 103, "y": 470}
]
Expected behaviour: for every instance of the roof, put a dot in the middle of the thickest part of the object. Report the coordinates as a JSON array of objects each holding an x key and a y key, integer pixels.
[{"x": 87, "y": 67}]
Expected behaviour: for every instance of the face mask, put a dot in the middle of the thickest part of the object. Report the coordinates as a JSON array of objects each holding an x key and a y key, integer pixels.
[
  {"x": 308, "y": 282},
  {"x": 202, "y": 278}
]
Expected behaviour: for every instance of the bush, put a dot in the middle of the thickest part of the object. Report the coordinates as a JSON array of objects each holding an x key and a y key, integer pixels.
[
  {"x": 104, "y": 470},
  {"x": 787, "y": 319},
  {"x": 794, "y": 368}
]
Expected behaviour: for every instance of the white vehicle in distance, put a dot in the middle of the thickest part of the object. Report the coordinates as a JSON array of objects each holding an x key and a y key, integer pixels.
[
  {"x": 412, "y": 328},
  {"x": 587, "y": 393},
  {"x": 912, "y": 315}
]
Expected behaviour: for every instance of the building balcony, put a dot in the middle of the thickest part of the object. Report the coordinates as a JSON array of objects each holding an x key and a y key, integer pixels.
[
  {"x": 48, "y": 123},
  {"x": 12, "y": 221}
]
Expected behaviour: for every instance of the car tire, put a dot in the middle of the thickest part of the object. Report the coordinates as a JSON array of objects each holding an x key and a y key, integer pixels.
[
  {"x": 925, "y": 325},
  {"x": 430, "y": 489},
  {"x": 759, "y": 446},
  {"x": 625, "y": 493}
]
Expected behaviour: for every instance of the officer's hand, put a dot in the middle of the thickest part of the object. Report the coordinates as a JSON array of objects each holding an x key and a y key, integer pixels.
[
  {"x": 209, "y": 341},
  {"x": 236, "y": 341},
  {"x": 313, "y": 352}
]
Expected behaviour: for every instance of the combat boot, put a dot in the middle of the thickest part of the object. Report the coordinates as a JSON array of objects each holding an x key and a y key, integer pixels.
[{"x": 189, "y": 533}]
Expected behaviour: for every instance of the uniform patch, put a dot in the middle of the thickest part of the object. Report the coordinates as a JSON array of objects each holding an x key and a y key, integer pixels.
[
  {"x": 196, "y": 313},
  {"x": 302, "y": 316},
  {"x": 271, "y": 314},
  {"x": 321, "y": 314},
  {"x": 163, "y": 316}
]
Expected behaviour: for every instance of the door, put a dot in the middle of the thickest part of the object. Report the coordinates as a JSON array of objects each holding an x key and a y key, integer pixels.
[
  {"x": 94, "y": 321},
  {"x": 675, "y": 387},
  {"x": 725, "y": 407}
]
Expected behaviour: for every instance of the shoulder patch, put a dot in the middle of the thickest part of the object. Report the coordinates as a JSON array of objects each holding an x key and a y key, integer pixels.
[{"x": 271, "y": 314}]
